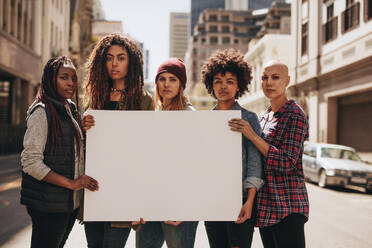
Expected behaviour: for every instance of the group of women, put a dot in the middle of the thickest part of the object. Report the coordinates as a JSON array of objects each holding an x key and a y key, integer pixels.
[{"x": 274, "y": 192}]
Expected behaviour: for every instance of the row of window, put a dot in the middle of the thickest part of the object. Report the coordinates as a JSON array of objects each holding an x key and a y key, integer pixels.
[
  {"x": 14, "y": 17},
  {"x": 215, "y": 18},
  {"x": 213, "y": 40},
  {"x": 349, "y": 20}
]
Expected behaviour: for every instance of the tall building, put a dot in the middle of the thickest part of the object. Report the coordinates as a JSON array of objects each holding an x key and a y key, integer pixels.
[
  {"x": 332, "y": 80},
  {"x": 178, "y": 35},
  {"x": 218, "y": 29},
  {"x": 197, "y": 7}
]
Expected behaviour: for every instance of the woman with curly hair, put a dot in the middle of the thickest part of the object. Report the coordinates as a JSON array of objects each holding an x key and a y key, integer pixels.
[
  {"x": 170, "y": 84},
  {"x": 53, "y": 157},
  {"x": 226, "y": 76},
  {"x": 114, "y": 82}
]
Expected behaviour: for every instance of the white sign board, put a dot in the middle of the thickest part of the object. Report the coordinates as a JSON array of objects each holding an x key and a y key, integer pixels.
[{"x": 166, "y": 165}]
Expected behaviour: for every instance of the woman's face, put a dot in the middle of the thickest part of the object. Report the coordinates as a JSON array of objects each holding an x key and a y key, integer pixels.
[
  {"x": 225, "y": 86},
  {"x": 169, "y": 86},
  {"x": 117, "y": 61},
  {"x": 274, "y": 81},
  {"x": 66, "y": 82}
]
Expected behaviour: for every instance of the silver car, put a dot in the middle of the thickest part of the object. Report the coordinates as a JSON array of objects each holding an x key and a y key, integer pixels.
[{"x": 328, "y": 164}]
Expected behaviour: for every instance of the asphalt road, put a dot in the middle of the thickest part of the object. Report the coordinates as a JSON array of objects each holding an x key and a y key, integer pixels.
[{"x": 339, "y": 218}]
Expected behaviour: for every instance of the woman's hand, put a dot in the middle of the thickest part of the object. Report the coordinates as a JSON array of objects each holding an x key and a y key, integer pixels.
[
  {"x": 141, "y": 221},
  {"x": 173, "y": 223},
  {"x": 242, "y": 126},
  {"x": 245, "y": 213},
  {"x": 88, "y": 122},
  {"x": 85, "y": 182}
]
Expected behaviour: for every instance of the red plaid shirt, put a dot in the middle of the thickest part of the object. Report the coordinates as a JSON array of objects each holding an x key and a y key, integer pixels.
[{"x": 284, "y": 191}]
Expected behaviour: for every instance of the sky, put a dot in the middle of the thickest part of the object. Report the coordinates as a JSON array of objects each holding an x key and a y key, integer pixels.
[{"x": 146, "y": 21}]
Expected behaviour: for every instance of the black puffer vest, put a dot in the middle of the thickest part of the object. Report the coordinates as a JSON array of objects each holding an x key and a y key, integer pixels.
[{"x": 44, "y": 196}]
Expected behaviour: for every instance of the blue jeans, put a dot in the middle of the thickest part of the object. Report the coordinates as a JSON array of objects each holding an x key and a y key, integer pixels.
[
  {"x": 50, "y": 230},
  {"x": 102, "y": 235},
  {"x": 152, "y": 235}
]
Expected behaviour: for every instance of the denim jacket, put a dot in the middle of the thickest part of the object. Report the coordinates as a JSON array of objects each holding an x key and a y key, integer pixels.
[{"x": 252, "y": 159}]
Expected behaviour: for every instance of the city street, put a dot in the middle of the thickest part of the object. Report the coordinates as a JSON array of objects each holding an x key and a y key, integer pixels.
[{"x": 338, "y": 217}]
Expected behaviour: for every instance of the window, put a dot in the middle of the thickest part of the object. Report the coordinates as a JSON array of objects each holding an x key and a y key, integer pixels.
[
  {"x": 330, "y": 27},
  {"x": 305, "y": 39},
  {"x": 203, "y": 40},
  {"x": 226, "y": 40},
  {"x": 236, "y": 41},
  {"x": 350, "y": 16},
  {"x": 225, "y": 18},
  {"x": 213, "y": 18},
  {"x": 213, "y": 40},
  {"x": 367, "y": 10},
  {"x": 310, "y": 150},
  {"x": 225, "y": 29},
  {"x": 213, "y": 29},
  {"x": 4, "y": 102}
]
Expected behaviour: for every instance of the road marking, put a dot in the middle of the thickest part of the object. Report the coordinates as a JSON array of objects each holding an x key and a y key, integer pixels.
[{"x": 11, "y": 185}]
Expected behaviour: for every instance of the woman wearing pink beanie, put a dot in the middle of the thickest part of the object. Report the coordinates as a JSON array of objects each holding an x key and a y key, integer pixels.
[{"x": 170, "y": 84}]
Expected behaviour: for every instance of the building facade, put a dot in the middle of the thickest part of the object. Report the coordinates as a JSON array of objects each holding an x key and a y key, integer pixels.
[
  {"x": 219, "y": 29},
  {"x": 30, "y": 33},
  {"x": 332, "y": 63},
  {"x": 178, "y": 35},
  {"x": 197, "y": 7},
  {"x": 55, "y": 34}
]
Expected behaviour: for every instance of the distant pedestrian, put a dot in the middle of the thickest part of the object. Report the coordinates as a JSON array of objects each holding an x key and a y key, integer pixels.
[
  {"x": 226, "y": 76},
  {"x": 282, "y": 203},
  {"x": 170, "y": 84},
  {"x": 53, "y": 157},
  {"x": 114, "y": 82}
]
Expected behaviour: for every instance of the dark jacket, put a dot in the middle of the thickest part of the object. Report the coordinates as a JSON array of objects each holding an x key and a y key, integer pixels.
[{"x": 44, "y": 196}]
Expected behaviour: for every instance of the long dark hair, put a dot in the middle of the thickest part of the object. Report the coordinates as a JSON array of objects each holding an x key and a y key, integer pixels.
[
  {"x": 97, "y": 81},
  {"x": 48, "y": 90}
]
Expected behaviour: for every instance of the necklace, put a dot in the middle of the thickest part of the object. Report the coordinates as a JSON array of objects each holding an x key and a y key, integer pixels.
[{"x": 117, "y": 90}]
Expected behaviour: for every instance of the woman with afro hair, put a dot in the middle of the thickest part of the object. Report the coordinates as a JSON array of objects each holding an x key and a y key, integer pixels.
[
  {"x": 226, "y": 76},
  {"x": 114, "y": 82}
]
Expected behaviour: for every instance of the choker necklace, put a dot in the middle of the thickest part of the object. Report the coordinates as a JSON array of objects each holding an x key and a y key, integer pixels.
[{"x": 117, "y": 90}]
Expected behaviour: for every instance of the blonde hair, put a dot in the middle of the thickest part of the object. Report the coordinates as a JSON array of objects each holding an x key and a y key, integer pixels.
[{"x": 178, "y": 102}]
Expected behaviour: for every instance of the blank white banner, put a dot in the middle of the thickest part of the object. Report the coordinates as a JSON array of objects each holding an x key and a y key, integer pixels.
[{"x": 167, "y": 165}]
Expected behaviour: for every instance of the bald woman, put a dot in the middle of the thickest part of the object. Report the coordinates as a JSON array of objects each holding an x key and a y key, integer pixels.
[{"x": 282, "y": 203}]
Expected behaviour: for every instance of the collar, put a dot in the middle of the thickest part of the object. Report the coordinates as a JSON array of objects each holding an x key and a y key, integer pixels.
[
  {"x": 236, "y": 106},
  {"x": 282, "y": 108}
]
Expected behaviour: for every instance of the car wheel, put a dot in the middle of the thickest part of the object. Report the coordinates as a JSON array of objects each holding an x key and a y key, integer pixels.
[{"x": 322, "y": 180}]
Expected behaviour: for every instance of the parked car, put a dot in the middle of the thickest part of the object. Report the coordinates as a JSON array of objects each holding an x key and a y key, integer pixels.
[{"x": 328, "y": 164}]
